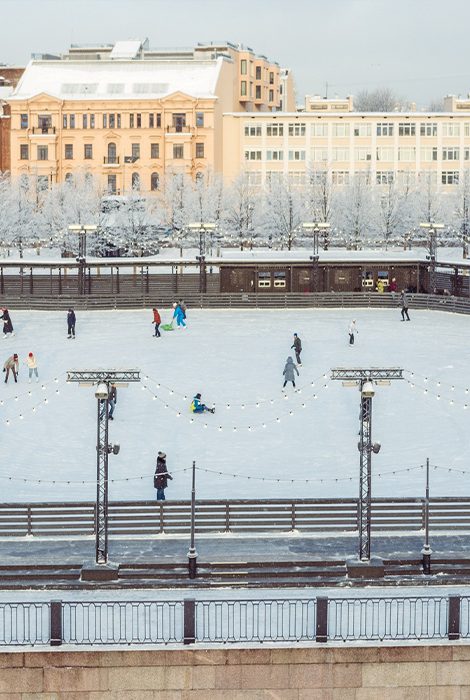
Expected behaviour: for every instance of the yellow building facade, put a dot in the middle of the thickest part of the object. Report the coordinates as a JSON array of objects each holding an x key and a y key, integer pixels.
[{"x": 331, "y": 138}]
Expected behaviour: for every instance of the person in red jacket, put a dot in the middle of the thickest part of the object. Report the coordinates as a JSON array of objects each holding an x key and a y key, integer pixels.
[{"x": 156, "y": 320}]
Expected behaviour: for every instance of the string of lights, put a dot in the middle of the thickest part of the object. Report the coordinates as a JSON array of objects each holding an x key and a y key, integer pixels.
[
  {"x": 439, "y": 397},
  {"x": 438, "y": 383},
  {"x": 43, "y": 386},
  {"x": 32, "y": 409}
]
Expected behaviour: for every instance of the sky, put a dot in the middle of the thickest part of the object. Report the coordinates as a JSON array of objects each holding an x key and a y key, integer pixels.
[{"x": 418, "y": 48}]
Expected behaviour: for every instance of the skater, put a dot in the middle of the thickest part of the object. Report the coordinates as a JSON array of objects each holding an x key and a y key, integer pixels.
[
  {"x": 198, "y": 407},
  {"x": 71, "y": 320},
  {"x": 289, "y": 372},
  {"x": 161, "y": 476},
  {"x": 32, "y": 367},
  {"x": 156, "y": 320},
  {"x": 7, "y": 324},
  {"x": 297, "y": 348},
  {"x": 178, "y": 315},
  {"x": 112, "y": 400},
  {"x": 13, "y": 365},
  {"x": 352, "y": 330},
  {"x": 183, "y": 307},
  {"x": 392, "y": 288},
  {"x": 404, "y": 305}
]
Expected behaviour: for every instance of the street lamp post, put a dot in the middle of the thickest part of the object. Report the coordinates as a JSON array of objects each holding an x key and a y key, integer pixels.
[
  {"x": 192, "y": 554},
  {"x": 432, "y": 228},
  {"x": 315, "y": 227},
  {"x": 202, "y": 227},
  {"x": 82, "y": 231}
]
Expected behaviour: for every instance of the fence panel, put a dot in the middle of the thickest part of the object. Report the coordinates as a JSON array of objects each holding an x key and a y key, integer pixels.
[{"x": 24, "y": 624}]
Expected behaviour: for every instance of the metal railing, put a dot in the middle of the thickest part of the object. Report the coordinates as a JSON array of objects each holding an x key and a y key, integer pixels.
[
  {"x": 240, "y": 516},
  {"x": 138, "y": 622}
]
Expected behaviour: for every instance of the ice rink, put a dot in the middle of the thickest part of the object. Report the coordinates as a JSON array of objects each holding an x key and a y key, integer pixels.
[{"x": 304, "y": 445}]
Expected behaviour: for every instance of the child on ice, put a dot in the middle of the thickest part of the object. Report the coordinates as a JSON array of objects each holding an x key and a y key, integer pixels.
[
  {"x": 198, "y": 407},
  {"x": 32, "y": 366}
]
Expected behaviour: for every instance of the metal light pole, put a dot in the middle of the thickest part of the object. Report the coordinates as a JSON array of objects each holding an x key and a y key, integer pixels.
[
  {"x": 365, "y": 379},
  {"x": 192, "y": 554},
  {"x": 102, "y": 379},
  {"x": 202, "y": 228},
  {"x": 315, "y": 227},
  {"x": 82, "y": 231},
  {"x": 433, "y": 228},
  {"x": 426, "y": 551}
]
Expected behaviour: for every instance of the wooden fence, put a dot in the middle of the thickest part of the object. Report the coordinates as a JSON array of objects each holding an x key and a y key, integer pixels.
[{"x": 144, "y": 518}]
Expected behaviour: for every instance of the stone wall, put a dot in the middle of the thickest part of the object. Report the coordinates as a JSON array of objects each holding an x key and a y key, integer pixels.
[{"x": 440, "y": 672}]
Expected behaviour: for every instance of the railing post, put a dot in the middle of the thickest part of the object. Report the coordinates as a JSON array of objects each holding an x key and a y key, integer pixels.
[
  {"x": 292, "y": 517},
  {"x": 321, "y": 632},
  {"x": 56, "y": 623},
  {"x": 29, "y": 521},
  {"x": 227, "y": 516},
  {"x": 453, "y": 622},
  {"x": 189, "y": 621}
]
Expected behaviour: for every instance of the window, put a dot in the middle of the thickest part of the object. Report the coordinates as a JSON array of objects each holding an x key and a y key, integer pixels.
[
  {"x": 296, "y": 155},
  {"x": 450, "y": 129},
  {"x": 199, "y": 150},
  {"x": 24, "y": 151},
  {"x": 341, "y": 130},
  {"x": 384, "y": 154},
  {"x": 92, "y": 121},
  {"x": 105, "y": 121},
  {"x": 151, "y": 121},
  {"x": 68, "y": 178},
  {"x": 467, "y": 129},
  {"x": 135, "y": 150},
  {"x": 64, "y": 121},
  {"x": 24, "y": 121},
  {"x": 131, "y": 121},
  {"x": 258, "y": 72},
  {"x": 135, "y": 181},
  {"x": 466, "y": 153},
  {"x": 88, "y": 151},
  {"x": 112, "y": 121},
  {"x": 112, "y": 157},
  {"x": 362, "y": 154},
  {"x": 407, "y": 154},
  {"x": 254, "y": 177},
  {"x": 243, "y": 66},
  {"x": 340, "y": 154},
  {"x": 429, "y": 154},
  {"x": 384, "y": 177},
  {"x": 43, "y": 153},
  {"x": 253, "y": 130},
  {"x": 199, "y": 119},
  {"x": 297, "y": 178},
  {"x": 279, "y": 279},
  {"x": 139, "y": 120},
  {"x": 362, "y": 129},
  {"x": 258, "y": 92},
  {"x": 271, "y": 78},
  {"x": 72, "y": 121},
  {"x": 320, "y": 154},
  {"x": 340, "y": 177},
  {"x": 85, "y": 121},
  {"x": 275, "y": 129},
  {"x": 320, "y": 130},
  {"x": 154, "y": 150},
  {"x": 178, "y": 152},
  {"x": 264, "y": 279},
  {"x": 363, "y": 176},
  {"x": 450, "y": 153},
  {"x": 159, "y": 120},
  {"x": 271, "y": 96},
  {"x": 384, "y": 129},
  {"x": 243, "y": 88},
  {"x": 428, "y": 128},
  {"x": 274, "y": 155},
  {"x": 450, "y": 177},
  {"x": 252, "y": 155},
  {"x": 297, "y": 129},
  {"x": 118, "y": 121},
  {"x": 406, "y": 129},
  {"x": 112, "y": 184},
  {"x": 68, "y": 151},
  {"x": 154, "y": 181},
  {"x": 179, "y": 122}
]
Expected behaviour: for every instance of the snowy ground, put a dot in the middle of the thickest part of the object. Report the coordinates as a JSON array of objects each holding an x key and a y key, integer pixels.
[{"x": 236, "y": 358}]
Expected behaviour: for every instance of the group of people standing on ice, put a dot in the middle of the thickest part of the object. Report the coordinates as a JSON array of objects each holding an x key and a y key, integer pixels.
[{"x": 179, "y": 315}]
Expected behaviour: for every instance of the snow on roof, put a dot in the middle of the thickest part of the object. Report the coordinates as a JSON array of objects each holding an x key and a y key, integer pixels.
[
  {"x": 5, "y": 91},
  {"x": 111, "y": 80}
]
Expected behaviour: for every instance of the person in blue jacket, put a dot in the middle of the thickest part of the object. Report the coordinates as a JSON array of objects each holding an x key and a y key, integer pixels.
[
  {"x": 179, "y": 315},
  {"x": 198, "y": 407}
]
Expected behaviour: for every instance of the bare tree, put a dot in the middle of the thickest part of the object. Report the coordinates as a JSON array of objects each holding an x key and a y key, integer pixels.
[
  {"x": 461, "y": 212},
  {"x": 284, "y": 211},
  {"x": 379, "y": 100},
  {"x": 242, "y": 212},
  {"x": 436, "y": 105},
  {"x": 355, "y": 213}
]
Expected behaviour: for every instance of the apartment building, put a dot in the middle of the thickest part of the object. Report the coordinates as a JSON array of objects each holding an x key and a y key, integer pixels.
[
  {"x": 128, "y": 114},
  {"x": 330, "y": 137}
]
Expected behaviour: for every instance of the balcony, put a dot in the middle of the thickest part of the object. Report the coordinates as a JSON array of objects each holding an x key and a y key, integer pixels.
[
  {"x": 178, "y": 129},
  {"x": 42, "y": 131},
  {"x": 111, "y": 161}
]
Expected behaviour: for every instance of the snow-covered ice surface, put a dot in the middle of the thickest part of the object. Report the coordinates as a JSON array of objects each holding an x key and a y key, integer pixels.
[{"x": 236, "y": 357}]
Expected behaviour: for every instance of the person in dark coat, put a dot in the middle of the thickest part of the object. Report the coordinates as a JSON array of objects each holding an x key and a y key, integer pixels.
[
  {"x": 288, "y": 373},
  {"x": 11, "y": 364},
  {"x": 112, "y": 399},
  {"x": 297, "y": 348},
  {"x": 7, "y": 324},
  {"x": 161, "y": 476},
  {"x": 71, "y": 320},
  {"x": 404, "y": 305}
]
